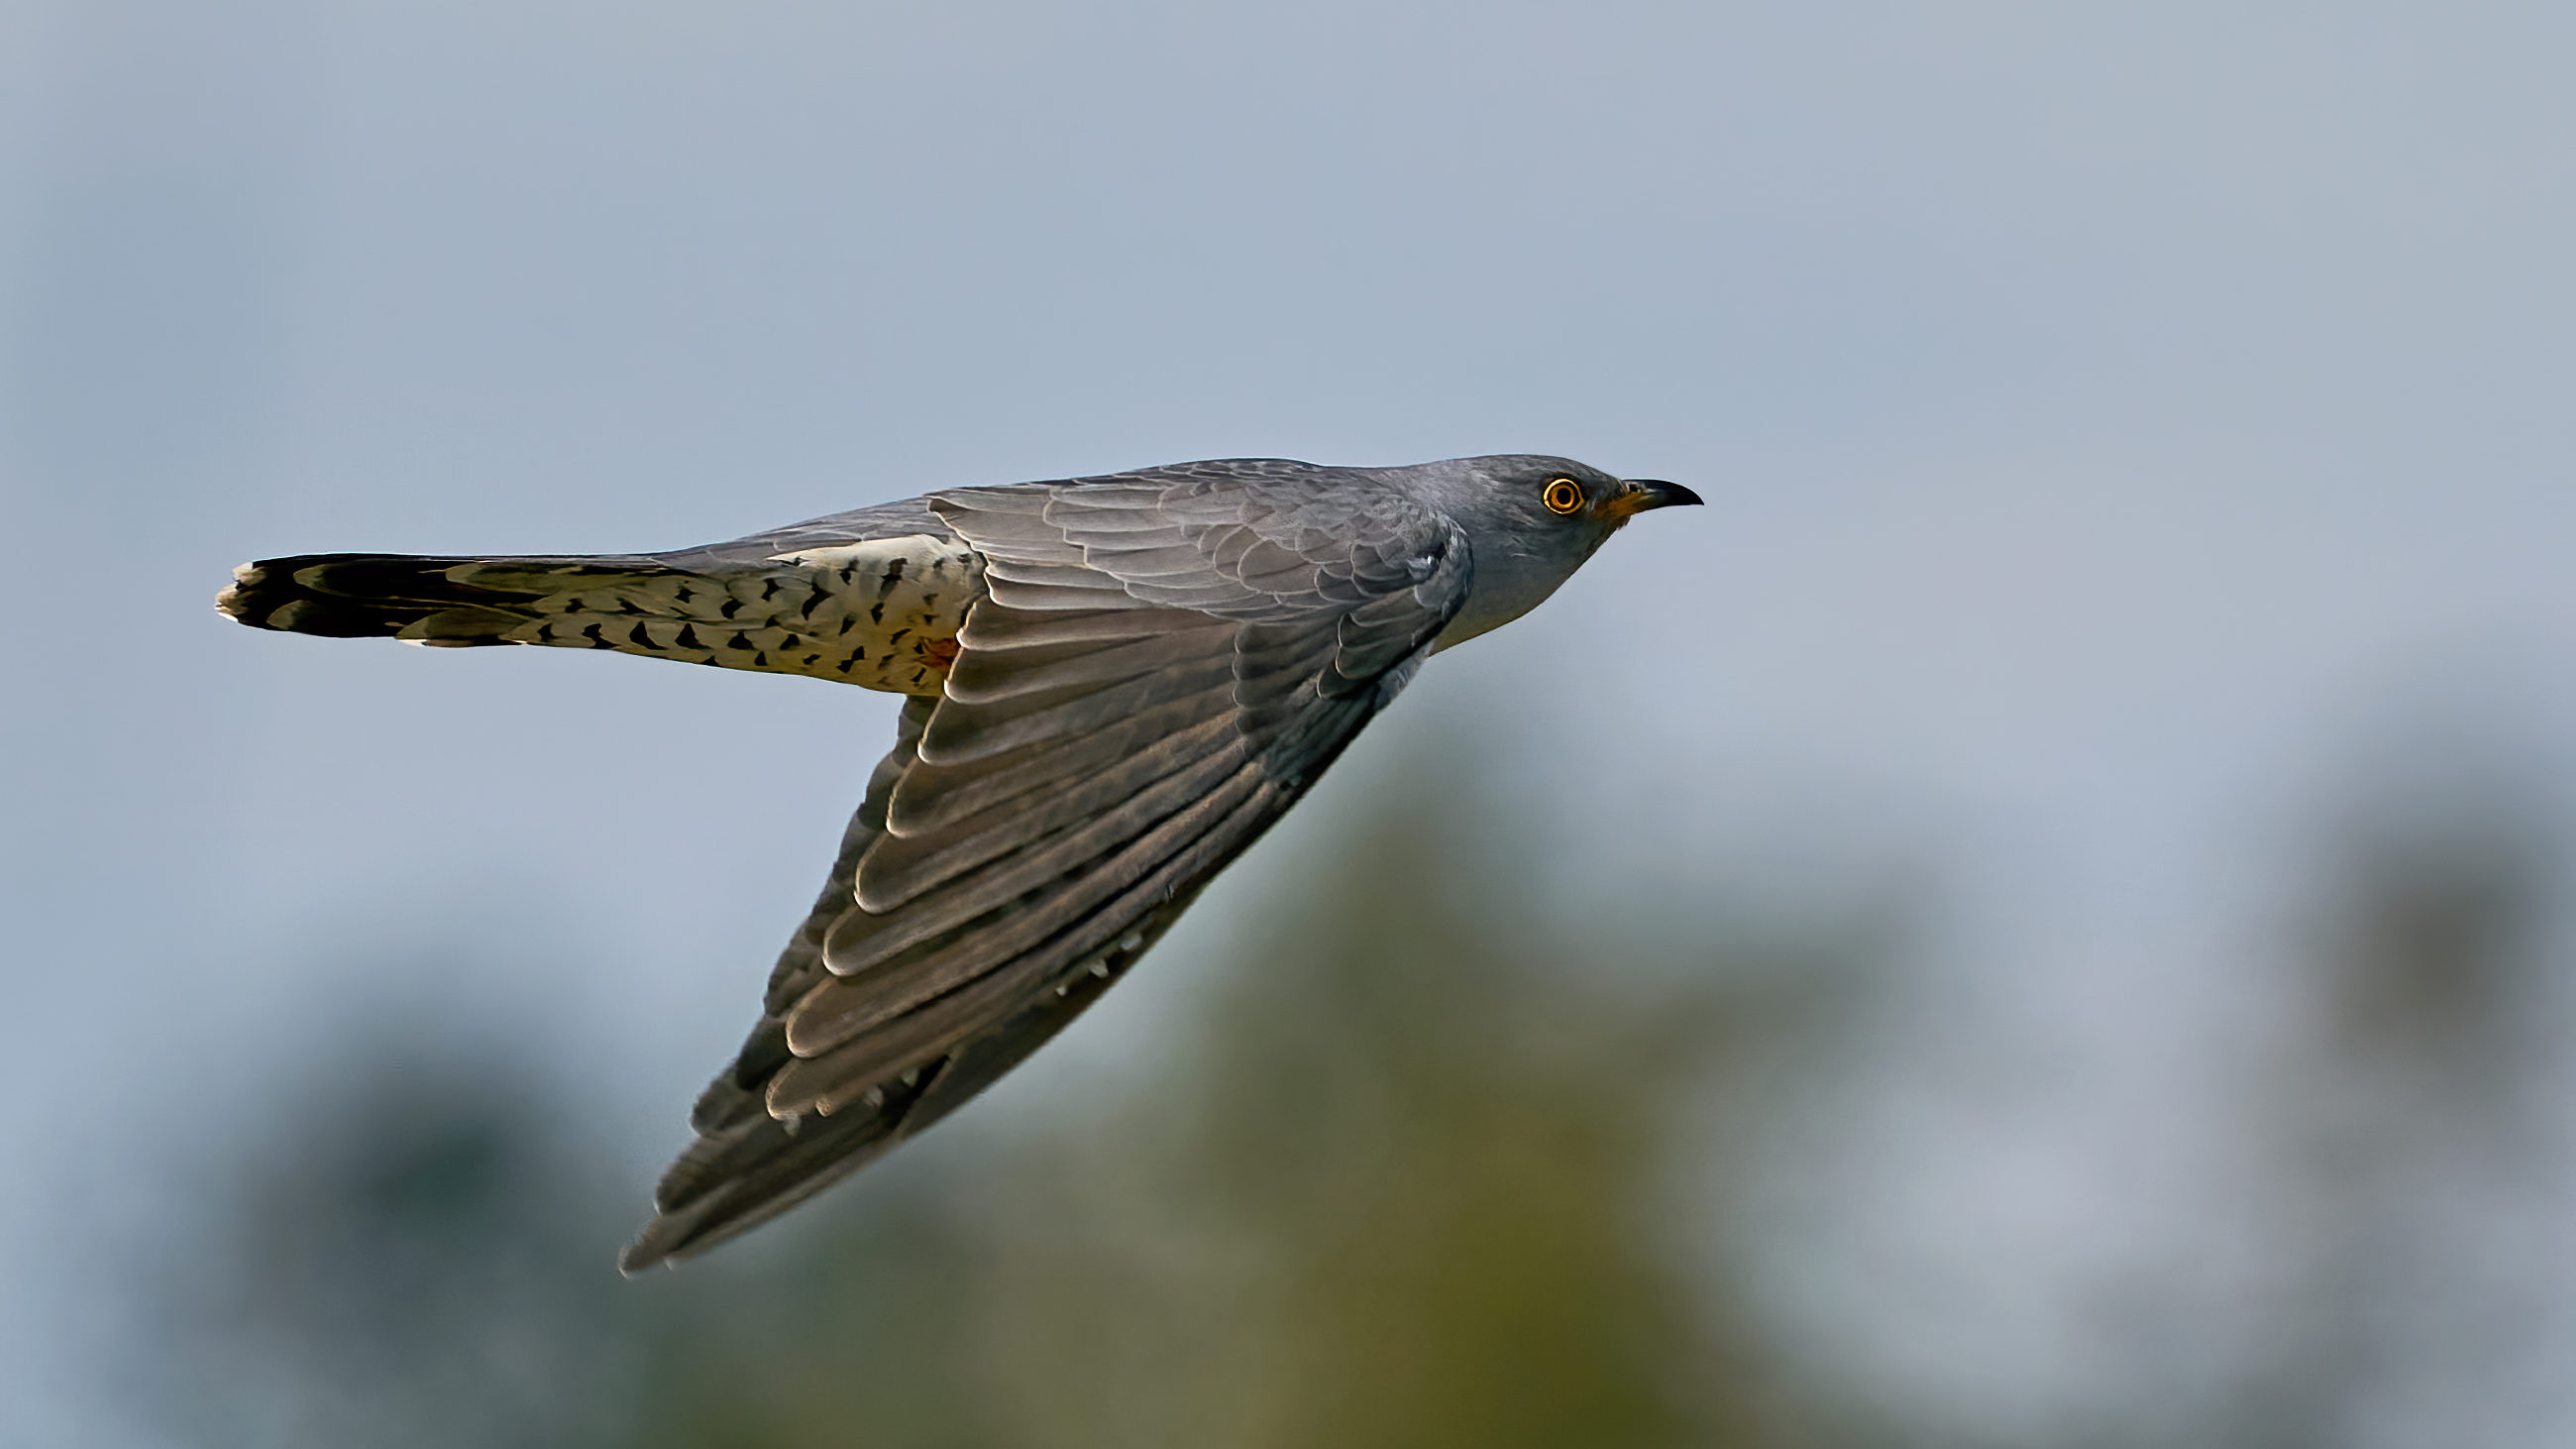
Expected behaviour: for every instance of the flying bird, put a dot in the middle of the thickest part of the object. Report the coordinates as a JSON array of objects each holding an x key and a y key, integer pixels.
[{"x": 1112, "y": 686}]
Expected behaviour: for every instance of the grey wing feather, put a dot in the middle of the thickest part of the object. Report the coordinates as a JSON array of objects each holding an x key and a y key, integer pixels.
[
  {"x": 1120, "y": 723},
  {"x": 747, "y": 1166}
]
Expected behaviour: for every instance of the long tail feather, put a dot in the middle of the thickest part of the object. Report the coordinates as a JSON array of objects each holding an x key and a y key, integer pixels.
[{"x": 454, "y": 602}]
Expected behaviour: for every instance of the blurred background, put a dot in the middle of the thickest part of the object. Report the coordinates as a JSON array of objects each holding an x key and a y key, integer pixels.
[{"x": 2040, "y": 917}]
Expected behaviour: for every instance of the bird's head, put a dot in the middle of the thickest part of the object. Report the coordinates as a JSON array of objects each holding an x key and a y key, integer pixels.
[{"x": 1531, "y": 521}]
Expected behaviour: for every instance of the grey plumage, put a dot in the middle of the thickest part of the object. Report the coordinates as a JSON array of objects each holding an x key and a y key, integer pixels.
[{"x": 1116, "y": 685}]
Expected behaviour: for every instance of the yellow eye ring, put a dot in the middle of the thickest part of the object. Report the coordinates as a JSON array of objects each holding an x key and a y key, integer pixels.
[{"x": 1563, "y": 495}]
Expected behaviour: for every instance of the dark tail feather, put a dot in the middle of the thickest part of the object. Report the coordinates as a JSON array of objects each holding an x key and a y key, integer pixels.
[{"x": 444, "y": 601}]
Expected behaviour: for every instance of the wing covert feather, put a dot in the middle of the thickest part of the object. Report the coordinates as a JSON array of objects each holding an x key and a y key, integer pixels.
[{"x": 1162, "y": 664}]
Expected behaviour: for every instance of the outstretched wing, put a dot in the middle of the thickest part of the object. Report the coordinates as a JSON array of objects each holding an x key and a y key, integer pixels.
[{"x": 1164, "y": 663}]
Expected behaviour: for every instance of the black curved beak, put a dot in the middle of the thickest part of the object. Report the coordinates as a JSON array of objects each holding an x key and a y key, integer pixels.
[{"x": 1656, "y": 493}]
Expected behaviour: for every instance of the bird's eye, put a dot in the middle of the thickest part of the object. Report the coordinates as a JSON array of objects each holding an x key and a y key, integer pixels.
[{"x": 1563, "y": 495}]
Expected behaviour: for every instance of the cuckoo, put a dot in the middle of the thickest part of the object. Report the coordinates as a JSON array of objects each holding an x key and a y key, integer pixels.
[{"x": 1112, "y": 686}]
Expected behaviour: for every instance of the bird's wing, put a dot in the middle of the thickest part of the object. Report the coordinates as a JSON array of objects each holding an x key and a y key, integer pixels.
[{"x": 1164, "y": 663}]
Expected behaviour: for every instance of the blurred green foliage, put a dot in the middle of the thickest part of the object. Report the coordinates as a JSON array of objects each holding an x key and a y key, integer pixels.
[
  {"x": 1414, "y": 1175},
  {"x": 1403, "y": 1186}
]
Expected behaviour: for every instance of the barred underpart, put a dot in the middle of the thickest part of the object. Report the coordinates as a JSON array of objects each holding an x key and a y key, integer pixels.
[{"x": 882, "y": 614}]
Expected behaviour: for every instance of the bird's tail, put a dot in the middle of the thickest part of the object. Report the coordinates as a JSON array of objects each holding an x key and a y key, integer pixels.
[
  {"x": 881, "y": 613},
  {"x": 453, "y": 602}
]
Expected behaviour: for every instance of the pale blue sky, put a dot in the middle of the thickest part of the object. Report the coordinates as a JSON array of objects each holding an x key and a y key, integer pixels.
[{"x": 2113, "y": 417}]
